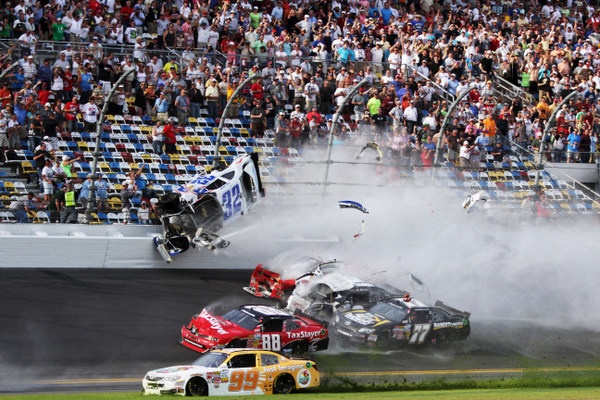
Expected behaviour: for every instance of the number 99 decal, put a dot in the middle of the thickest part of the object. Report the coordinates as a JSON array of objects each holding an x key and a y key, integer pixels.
[
  {"x": 243, "y": 380},
  {"x": 232, "y": 202}
]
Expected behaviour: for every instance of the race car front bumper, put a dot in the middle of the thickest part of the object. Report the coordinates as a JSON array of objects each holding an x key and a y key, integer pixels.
[{"x": 195, "y": 342}]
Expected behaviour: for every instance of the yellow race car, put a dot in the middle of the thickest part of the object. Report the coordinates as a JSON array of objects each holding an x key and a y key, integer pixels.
[{"x": 222, "y": 372}]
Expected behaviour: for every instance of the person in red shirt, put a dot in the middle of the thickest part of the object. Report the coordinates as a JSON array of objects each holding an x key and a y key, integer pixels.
[
  {"x": 5, "y": 95},
  {"x": 257, "y": 89},
  {"x": 170, "y": 137},
  {"x": 315, "y": 114},
  {"x": 71, "y": 110},
  {"x": 68, "y": 80},
  {"x": 295, "y": 132}
]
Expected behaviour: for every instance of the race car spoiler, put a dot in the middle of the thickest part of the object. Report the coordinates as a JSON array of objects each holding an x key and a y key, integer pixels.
[{"x": 452, "y": 310}]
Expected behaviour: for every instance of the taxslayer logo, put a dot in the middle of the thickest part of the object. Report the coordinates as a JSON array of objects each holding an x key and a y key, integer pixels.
[
  {"x": 214, "y": 323},
  {"x": 304, "y": 335}
]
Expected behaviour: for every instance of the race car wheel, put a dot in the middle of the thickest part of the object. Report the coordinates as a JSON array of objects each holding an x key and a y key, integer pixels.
[
  {"x": 284, "y": 384},
  {"x": 196, "y": 387},
  {"x": 384, "y": 340},
  {"x": 300, "y": 348},
  {"x": 442, "y": 338}
]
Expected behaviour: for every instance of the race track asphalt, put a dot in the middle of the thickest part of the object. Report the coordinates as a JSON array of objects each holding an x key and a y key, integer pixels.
[{"x": 84, "y": 329}]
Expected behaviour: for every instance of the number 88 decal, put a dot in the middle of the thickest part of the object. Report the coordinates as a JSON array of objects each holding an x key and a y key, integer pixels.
[
  {"x": 243, "y": 380},
  {"x": 271, "y": 342}
]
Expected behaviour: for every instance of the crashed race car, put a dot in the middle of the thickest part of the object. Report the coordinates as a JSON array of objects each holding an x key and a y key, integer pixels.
[
  {"x": 321, "y": 296},
  {"x": 267, "y": 283},
  {"x": 255, "y": 326},
  {"x": 193, "y": 213},
  {"x": 399, "y": 321},
  {"x": 233, "y": 372}
]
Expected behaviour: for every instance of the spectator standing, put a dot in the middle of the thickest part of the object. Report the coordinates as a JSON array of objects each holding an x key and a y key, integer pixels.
[{"x": 170, "y": 137}]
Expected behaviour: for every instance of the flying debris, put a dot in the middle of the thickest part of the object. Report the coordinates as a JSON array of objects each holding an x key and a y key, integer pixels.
[
  {"x": 363, "y": 229},
  {"x": 373, "y": 146},
  {"x": 357, "y": 206},
  {"x": 472, "y": 199},
  {"x": 352, "y": 204}
]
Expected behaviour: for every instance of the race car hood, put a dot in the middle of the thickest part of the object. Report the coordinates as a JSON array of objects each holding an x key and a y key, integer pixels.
[
  {"x": 363, "y": 318},
  {"x": 336, "y": 281},
  {"x": 215, "y": 326},
  {"x": 176, "y": 370}
]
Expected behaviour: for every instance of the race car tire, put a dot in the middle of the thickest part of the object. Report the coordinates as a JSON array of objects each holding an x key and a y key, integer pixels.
[
  {"x": 441, "y": 339},
  {"x": 384, "y": 340},
  {"x": 300, "y": 348},
  {"x": 196, "y": 387},
  {"x": 283, "y": 384}
]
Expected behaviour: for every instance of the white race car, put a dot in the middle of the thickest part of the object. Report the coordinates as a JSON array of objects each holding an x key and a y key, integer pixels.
[
  {"x": 233, "y": 372},
  {"x": 193, "y": 213}
]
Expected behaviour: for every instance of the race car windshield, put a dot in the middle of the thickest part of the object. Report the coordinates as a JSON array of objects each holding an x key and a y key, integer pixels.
[
  {"x": 242, "y": 319},
  {"x": 210, "y": 360},
  {"x": 389, "y": 311}
]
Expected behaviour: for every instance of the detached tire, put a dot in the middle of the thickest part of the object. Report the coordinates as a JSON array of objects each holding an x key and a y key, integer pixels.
[
  {"x": 196, "y": 387},
  {"x": 283, "y": 384}
]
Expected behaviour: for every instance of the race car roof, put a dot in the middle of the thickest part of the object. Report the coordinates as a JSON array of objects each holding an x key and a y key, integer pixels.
[{"x": 265, "y": 311}]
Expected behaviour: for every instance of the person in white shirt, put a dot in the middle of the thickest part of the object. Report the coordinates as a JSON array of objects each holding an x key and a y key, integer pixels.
[{"x": 90, "y": 114}]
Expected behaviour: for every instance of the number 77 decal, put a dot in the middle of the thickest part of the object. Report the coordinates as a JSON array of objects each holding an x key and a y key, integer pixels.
[{"x": 419, "y": 333}]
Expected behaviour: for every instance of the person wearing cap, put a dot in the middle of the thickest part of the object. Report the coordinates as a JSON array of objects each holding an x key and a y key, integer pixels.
[
  {"x": 85, "y": 193},
  {"x": 282, "y": 130},
  {"x": 101, "y": 188},
  {"x": 58, "y": 30},
  {"x": 20, "y": 206},
  {"x": 143, "y": 213},
  {"x": 212, "y": 95},
  {"x": 465, "y": 154},
  {"x": 69, "y": 213}
]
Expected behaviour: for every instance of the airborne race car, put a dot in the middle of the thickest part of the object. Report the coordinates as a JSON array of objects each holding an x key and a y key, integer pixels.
[
  {"x": 400, "y": 321},
  {"x": 233, "y": 372},
  {"x": 270, "y": 284},
  {"x": 255, "y": 326},
  {"x": 193, "y": 213}
]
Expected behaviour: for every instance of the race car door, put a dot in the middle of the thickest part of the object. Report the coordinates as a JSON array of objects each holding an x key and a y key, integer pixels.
[
  {"x": 421, "y": 321},
  {"x": 244, "y": 375},
  {"x": 270, "y": 334}
]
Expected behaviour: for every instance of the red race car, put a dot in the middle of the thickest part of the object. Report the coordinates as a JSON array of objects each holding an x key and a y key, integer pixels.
[
  {"x": 272, "y": 284},
  {"x": 255, "y": 326}
]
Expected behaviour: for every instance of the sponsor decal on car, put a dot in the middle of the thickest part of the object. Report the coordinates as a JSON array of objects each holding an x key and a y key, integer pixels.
[
  {"x": 304, "y": 334},
  {"x": 214, "y": 323},
  {"x": 304, "y": 377}
]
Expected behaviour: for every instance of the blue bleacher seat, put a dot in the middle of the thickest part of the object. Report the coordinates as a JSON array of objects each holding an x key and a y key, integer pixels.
[
  {"x": 147, "y": 119},
  {"x": 168, "y": 188},
  {"x": 165, "y": 158},
  {"x": 126, "y": 129},
  {"x": 111, "y": 177},
  {"x": 210, "y": 122},
  {"x": 229, "y": 159},
  {"x": 190, "y": 169},
  {"x": 72, "y": 146},
  {"x": 171, "y": 178},
  {"x": 115, "y": 167},
  {"x": 139, "y": 148},
  {"x": 132, "y": 137},
  {"x": 163, "y": 168},
  {"x": 251, "y": 142},
  {"x": 85, "y": 136},
  {"x": 151, "y": 177}
]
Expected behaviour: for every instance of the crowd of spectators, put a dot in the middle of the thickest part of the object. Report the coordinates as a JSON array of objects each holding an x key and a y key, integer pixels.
[{"x": 415, "y": 55}]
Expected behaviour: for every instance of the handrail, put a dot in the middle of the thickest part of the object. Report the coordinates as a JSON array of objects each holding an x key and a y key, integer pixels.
[{"x": 513, "y": 90}]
